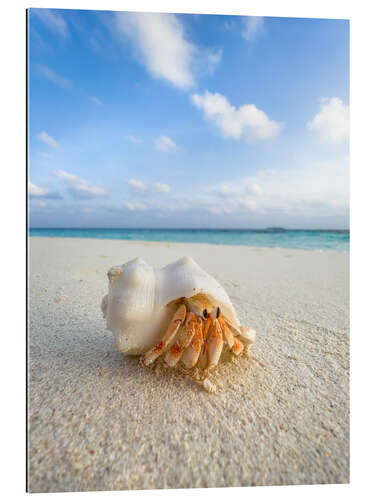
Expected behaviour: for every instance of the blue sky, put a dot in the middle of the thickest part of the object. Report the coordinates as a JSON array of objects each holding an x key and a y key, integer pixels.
[{"x": 162, "y": 120}]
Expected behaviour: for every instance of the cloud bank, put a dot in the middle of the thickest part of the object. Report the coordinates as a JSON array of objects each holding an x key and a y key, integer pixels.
[{"x": 318, "y": 188}]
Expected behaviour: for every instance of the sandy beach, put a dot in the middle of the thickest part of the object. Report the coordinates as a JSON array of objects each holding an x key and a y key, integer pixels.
[{"x": 100, "y": 421}]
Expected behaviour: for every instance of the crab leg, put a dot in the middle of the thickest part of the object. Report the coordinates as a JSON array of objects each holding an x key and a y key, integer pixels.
[
  {"x": 242, "y": 335},
  {"x": 227, "y": 328},
  {"x": 191, "y": 354},
  {"x": 214, "y": 344},
  {"x": 235, "y": 331},
  {"x": 247, "y": 335},
  {"x": 184, "y": 337},
  {"x": 169, "y": 335},
  {"x": 227, "y": 332},
  {"x": 203, "y": 357},
  {"x": 237, "y": 347}
]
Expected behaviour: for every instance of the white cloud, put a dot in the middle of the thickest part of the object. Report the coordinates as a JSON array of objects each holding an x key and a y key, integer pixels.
[
  {"x": 246, "y": 122},
  {"x": 228, "y": 190},
  {"x": 48, "y": 73},
  {"x": 138, "y": 186},
  {"x": 36, "y": 191},
  {"x": 133, "y": 139},
  {"x": 229, "y": 25},
  {"x": 80, "y": 188},
  {"x": 162, "y": 47},
  {"x": 46, "y": 155},
  {"x": 256, "y": 189},
  {"x": 212, "y": 58},
  {"x": 253, "y": 26},
  {"x": 207, "y": 61},
  {"x": 96, "y": 100},
  {"x": 37, "y": 205},
  {"x": 47, "y": 139},
  {"x": 332, "y": 121},
  {"x": 160, "y": 41},
  {"x": 163, "y": 188},
  {"x": 142, "y": 187},
  {"x": 40, "y": 192},
  {"x": 135, "y": 206},
  {"x": 53, "y": 21},
  {"x": 165, "y": 144}
]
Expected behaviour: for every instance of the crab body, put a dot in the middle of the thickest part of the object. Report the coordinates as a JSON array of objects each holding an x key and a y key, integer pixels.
[{"x": 179, "y": 312}]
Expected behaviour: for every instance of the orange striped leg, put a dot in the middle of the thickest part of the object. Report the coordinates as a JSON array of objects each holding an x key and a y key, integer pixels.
[
  {"x": 215, "y": 344},
  {"x": 168, "y": 337},
  {"x": 192, "y": 352},
  {"x": 184, "y": 337}
]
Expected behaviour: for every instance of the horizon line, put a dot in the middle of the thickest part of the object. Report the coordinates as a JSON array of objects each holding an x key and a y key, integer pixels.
[{"x": 197, "y": 228}]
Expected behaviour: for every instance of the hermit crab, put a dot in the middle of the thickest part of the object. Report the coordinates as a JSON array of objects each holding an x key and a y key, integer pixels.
[{"x": 179, "y": 312}]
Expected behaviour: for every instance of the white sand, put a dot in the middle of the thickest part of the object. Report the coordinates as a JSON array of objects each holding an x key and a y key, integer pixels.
[{"x": 280, "y": 416}]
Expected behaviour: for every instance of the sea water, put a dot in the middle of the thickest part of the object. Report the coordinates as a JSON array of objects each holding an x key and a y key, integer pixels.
[{"x": 273, "y": 237}]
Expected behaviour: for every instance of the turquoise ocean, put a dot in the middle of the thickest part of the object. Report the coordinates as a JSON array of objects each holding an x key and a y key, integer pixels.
[{"x": 273, "y": 237}]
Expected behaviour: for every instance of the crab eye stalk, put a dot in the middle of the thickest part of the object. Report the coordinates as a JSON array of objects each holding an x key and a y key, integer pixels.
[
  {"x": 205, "y": 313},
  {"x": 218, "y": 312}
]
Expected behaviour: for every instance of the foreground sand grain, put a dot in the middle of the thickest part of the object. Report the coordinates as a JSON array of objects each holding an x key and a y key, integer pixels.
[{"x": 99, "y": 421}]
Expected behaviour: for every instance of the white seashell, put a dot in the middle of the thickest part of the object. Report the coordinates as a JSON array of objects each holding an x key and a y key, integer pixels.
[
  {"x": 179, "y": 310},
  {"x": 140, "y": 299}
]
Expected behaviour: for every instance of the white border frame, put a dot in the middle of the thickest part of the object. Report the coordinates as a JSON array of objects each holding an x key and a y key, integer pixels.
[{"x": 13, "y": 373}]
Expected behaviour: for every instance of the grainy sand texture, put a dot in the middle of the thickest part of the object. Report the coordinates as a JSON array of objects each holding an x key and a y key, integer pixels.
[{"x": 100, "y": 421}]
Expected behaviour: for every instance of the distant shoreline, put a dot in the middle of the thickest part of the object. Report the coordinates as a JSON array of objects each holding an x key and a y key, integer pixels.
[
  {"x": 266, "y": 229},
  {"x": 196, "y": 244},
  {"x": 337, "y": 240}
]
